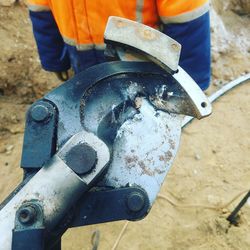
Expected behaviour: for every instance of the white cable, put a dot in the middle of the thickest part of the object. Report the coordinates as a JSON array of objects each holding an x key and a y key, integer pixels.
[{"x": 219, "y": 93}]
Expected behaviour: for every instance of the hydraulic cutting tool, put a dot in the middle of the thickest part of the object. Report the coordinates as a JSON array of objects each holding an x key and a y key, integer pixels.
[{"x": 97, "y": 148}]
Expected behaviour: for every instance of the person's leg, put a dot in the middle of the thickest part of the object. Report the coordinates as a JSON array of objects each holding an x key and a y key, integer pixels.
[{"x": 194, "y": 36}]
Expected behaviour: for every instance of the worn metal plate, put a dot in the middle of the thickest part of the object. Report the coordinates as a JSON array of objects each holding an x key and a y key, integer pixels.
[
  {"x": 163, "y": 51},
  {"x": 197, "y": 99},
  {"x": 186, "y": 98},
  {"x": 144, "y": 150},
  {"x": 160, "y": 48}
]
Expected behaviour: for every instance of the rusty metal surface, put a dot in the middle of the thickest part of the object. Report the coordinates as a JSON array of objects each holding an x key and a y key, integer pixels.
[
  {"x": 160, "y": 48},
  {"x": 144, "y": 150}
]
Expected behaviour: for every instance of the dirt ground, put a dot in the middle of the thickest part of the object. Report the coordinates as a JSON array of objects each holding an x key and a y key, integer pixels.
[{"x": 212, "y": 166}]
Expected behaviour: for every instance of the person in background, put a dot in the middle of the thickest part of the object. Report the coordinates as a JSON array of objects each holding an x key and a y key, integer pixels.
[{"x": 69, "y": 33}]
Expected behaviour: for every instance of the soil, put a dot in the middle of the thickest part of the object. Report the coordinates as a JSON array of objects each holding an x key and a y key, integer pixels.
[{"x": 212, "y": 166}]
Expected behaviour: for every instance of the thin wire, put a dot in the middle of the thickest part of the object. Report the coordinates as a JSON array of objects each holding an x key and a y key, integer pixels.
[
  {"x": 120, "y": 236},
  {"x": 181, "y": 206},
  {"x": 219, "y": 93},
  {"x": 201, "y": 205}
]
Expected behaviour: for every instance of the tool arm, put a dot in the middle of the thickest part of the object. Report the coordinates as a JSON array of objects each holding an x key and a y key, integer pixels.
[{"x": 57, "y": 186}]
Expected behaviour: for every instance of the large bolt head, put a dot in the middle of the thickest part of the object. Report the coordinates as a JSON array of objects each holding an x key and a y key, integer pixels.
[
  {"x": 135, "y": 201},
  {"x": 81, "y": 158},
  {"x": 40, "y": 113}
]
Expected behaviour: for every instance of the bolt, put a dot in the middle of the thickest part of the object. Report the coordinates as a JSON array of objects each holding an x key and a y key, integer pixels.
[
  {"x": 175, "y": 46},
  {"x": 120, "y": 24},
  {"x": 81, "y": 158},
  {"x": 27, "y": 214},
  {"x": 148, "y": 34},
  {"x": 40, "y": 113},
  {"x": 135, "y": 201}
]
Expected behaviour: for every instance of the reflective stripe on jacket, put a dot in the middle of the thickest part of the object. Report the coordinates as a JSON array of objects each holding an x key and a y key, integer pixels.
[{"x": 81, "y": 24}]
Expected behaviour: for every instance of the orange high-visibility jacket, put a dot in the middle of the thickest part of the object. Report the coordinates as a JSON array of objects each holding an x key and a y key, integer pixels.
[
  {"x": 71, "y": 31},
  {"x": 82, "y": 22}
]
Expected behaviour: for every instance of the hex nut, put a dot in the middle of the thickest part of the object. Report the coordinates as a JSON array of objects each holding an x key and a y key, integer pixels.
[{"x": 27, "y": 214}]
